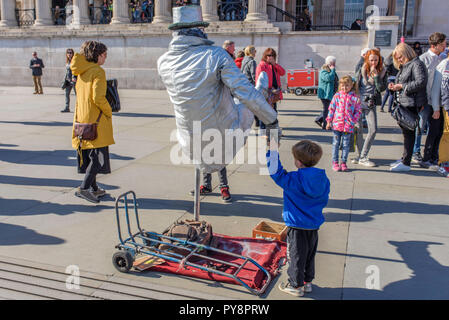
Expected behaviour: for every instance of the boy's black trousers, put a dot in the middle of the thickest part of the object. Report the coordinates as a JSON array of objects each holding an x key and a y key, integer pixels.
[{"x": 302, "y": 246}]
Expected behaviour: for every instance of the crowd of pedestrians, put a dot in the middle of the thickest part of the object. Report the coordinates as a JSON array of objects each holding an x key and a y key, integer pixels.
[{"x": 414, "y": 88}]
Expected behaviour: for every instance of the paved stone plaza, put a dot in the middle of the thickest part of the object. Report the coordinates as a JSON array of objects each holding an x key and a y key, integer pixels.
[{"x": 390, "y": 227}]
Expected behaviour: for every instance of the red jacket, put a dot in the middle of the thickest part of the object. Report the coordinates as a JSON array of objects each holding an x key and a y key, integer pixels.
[
  {"x": 238, "y": 62},
  {"x": 268, "y": 68}
]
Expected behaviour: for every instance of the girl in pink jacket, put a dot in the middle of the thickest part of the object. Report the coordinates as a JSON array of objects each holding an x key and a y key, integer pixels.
[{"x": 344, "y": 112}]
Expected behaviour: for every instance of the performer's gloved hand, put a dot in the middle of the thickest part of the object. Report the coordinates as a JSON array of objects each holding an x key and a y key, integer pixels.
[{"x": 273, "y": 132}]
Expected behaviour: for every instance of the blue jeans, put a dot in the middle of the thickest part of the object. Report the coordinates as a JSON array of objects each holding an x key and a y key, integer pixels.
[
  {"x": 340, "y": 137},
  {"x": 424, "y": 117},
  {"x": 389, "y": 96}
]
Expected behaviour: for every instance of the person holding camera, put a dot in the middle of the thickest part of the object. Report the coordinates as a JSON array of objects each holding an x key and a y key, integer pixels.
[
  {"x": 371, "y": 80},
  {"x": 410, "y": 90}
]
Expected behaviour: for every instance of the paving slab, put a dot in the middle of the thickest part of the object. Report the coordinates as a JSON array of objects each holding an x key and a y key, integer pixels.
[{"x": 394, "y": 223}]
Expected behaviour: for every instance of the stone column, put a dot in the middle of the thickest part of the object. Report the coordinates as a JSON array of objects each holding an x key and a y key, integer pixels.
[
  {"x": 209, "y": 8},
  {"x": 120, "y": 12},
  {"x": 80, "y": 12},
  {"x": 257, "y": 11},
  {"x": 43, "y": 13},
  {"x": 8, "y": 12},
  {"x": 162, "y": 12}
]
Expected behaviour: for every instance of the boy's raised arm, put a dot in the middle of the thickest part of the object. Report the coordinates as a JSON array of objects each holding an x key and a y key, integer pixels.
[{"x": 277, "y": 172}]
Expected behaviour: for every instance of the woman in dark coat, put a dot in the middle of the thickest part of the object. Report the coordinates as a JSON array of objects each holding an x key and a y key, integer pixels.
[{"x": 410, "y": 89}]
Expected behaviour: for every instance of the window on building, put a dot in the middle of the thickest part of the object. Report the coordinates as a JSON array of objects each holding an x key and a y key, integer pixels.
[
  {"x": 302, "y": 4},
  {"x": 399, "y": 7}
]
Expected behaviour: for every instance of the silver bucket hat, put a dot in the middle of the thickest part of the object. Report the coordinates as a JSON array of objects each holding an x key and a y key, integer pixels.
[{"x": 187, "y": 17}]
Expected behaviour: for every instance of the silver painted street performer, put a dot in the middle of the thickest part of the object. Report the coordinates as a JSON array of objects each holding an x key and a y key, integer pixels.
[{"x": 202, "y": 81}]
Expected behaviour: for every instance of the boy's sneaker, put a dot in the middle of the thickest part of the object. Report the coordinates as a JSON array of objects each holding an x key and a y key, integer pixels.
[
  {"x": 416, "y": 157},
  {"x": 287, "y": 288},
  {"x": 366, "y": 162},
  {"x": 203, "y": 190},
  {"x": 343, "y": 167},
  {"x": 335, "y": 166},
  {"x": 86, "y": 194},
  {"x": 225, "y": 195},
  {"x": 307, "y": 287},
  {"x": 400, "y": 167}
]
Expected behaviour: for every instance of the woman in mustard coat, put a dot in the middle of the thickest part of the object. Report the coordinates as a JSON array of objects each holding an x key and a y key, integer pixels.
[{"x": 91, "y": 105}]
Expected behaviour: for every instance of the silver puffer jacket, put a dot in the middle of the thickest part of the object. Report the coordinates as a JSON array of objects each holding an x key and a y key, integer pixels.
[{"x": 201, "y": 80}]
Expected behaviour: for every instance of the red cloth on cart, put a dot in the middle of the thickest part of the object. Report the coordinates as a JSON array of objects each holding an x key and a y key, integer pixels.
[{"x": 266, "y": 253}]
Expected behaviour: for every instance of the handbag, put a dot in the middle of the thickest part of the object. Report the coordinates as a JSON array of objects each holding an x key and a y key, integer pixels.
[
  {"x": 65, "y": 84},
  {"x": 87, "y": 131},
  {"x": 405, "y": 118},
  {"x": 112, "y": 95}
]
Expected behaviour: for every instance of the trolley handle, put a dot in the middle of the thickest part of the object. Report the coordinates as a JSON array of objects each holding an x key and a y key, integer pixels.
[{"x": 125, "y": 198}]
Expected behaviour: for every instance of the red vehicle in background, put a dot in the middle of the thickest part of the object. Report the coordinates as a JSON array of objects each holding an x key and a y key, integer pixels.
[{"x": 303, "y": 81}]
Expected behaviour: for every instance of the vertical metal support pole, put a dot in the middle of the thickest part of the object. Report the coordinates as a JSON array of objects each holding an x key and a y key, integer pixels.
[{"x": 196, "y": 209}]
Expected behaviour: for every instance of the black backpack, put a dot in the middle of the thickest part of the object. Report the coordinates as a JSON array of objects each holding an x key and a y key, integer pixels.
[{"x": 112, "y": 95}]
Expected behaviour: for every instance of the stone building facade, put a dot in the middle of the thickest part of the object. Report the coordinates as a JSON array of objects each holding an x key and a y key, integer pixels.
[{"x": 135, "y": 47}]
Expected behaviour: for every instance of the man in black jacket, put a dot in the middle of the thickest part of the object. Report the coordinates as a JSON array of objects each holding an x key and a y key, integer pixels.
[
  {"x": 36, "y": 66},
  {"x": 357, "y": 24}
]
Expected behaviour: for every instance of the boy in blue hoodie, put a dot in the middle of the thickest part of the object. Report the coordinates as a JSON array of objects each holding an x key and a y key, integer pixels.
[{"x": 306, "y": 193}]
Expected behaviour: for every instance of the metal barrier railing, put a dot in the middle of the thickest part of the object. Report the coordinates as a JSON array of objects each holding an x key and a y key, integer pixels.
[
  {"x": 232, "y": 10},
  {"x": 25, "y": 17}
]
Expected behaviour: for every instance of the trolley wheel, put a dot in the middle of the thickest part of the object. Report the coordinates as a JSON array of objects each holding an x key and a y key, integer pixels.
[
  {"x": 306, "y": 91},
  {"x": 299, "y": 91},
  {"x": 150, "y": 243},
  {"x": 122, "y": 261}
]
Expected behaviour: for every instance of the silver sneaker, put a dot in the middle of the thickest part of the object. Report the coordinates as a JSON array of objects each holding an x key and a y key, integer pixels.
[
  {"x": 366, "y": 162},
  {"x": 287, "y": 288}
]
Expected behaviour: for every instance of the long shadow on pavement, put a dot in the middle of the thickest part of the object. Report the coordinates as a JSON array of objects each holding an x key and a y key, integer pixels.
[
  {"x": 428, "y": 280},
  {"x": 375, "y": 207},
  {"x": 49, "y": 158},
  {"x": 12, "y": 235},
  {"x": 27, "y": 181},
  {"x": 41, "y": 123},
  {"x": 142, "y": 115},
  {"x": 22, "y": 207},
  {"x": 242, "y": 204}
]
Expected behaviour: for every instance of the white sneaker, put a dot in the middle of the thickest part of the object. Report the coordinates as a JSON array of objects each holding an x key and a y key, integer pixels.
[
  {"x": 287, "y": 288},
  {"x": 366, "y": 162},
  {"x": 355, "y": 160},
  {"x": 400, "y": 167},
  {"x": 394, "y": 164}
]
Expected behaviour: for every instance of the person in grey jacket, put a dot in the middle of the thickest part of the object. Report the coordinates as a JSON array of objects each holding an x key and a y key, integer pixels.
[
  {"x": 410, "y": 89},
  {"x": 431, "y": 116},
  {"x": 371, "y": 82},
  {"x": 249, "y": 66},
  {"x": 36, "y": 65},
  {"x": 69, "y": 80},
  {"x": 440, "y": 99}
]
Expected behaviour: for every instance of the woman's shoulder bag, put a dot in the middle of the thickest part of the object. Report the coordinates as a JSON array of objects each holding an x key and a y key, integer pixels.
[{"x": 112, "y": 95}]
